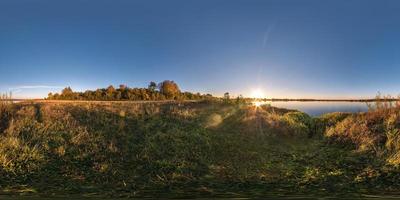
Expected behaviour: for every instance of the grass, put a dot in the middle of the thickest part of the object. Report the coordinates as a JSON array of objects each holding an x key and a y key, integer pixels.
[
  {"x": 5, "y": 111},
  {"x": 377, "y": 131},
  {"x": 194, "y": 149}
]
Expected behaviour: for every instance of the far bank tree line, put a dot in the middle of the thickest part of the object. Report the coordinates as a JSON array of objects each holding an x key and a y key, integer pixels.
[{"x": 166, "y": 90}]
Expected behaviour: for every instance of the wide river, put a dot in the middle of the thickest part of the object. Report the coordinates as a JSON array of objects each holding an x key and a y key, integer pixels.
[{"x": 317, "y": 108}]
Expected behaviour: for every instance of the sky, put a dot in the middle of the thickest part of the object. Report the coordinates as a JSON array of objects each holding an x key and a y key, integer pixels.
[{"x": 284, "y": 48}]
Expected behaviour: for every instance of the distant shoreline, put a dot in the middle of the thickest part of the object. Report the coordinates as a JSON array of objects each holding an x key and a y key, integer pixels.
[{"x": 335, "y": 100}]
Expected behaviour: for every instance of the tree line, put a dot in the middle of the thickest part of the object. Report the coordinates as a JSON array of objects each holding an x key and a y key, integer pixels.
[{"x": 166, "y": 90}]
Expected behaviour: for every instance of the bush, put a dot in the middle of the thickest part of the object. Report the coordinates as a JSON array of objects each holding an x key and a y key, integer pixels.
[
  {"x": 328, "y": 120},
  {"x": 393, "y": 138},
  {"x": 366, "y": 131},
  {"x": 377, "y": 131},
  {"x": 299, "y": 123}
]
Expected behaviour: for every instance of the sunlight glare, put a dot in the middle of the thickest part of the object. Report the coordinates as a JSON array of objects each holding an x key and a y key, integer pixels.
[
  {"x": 257, "y": 94},
  {"x": 257, "y": 103}
]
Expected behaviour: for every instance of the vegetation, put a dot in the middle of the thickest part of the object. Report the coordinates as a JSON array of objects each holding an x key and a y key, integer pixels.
[
  {"x": 166, "y": 90},
  {"x": 195, "y": 149},
  {"x": 5, "y": 113},
  {"x": 377, "y": 131}
]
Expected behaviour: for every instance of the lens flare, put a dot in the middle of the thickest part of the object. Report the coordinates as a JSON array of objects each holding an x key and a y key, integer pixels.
[
  {"x": 258, "y": 103},
  {"x": 257, "y": 94}
]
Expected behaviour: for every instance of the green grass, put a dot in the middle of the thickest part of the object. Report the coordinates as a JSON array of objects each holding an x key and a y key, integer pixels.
[{"x": 202, "y": 149}]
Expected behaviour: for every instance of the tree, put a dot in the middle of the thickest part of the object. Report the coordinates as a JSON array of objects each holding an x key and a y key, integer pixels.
[
  {"x": 123, "y": 90},
  {"x": 98, "y": 94},
  {"x": 239, "y": 99},
  {"x": 226, "y": 96},
  {"x": 67, "y": 93},
  {"x": 110, "y": 92},
  {"x": 169, "y": 88},
  {"x": 122, "y": 87},
  {"x": 152, "y": 86}
]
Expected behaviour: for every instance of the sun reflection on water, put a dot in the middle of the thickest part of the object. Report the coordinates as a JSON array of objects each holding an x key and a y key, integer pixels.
[{"x": 259, "y": 103}]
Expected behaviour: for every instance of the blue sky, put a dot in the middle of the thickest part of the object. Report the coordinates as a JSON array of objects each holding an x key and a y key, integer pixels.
[{"x": 287, "y": 48}]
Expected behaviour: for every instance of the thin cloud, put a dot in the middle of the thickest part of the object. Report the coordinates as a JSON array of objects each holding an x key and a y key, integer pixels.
[
  {"x": 24, "y": 87},
  {"x": 267, "y": 33}
]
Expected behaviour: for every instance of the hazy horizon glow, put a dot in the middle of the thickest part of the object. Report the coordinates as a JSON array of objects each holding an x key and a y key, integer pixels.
[{"x": 285, "y": 49}]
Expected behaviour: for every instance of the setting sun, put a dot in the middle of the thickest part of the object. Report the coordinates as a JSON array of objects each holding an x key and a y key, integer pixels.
[{"x": 257, "y": 93}]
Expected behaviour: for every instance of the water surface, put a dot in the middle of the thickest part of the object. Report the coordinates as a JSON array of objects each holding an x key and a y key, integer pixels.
[{"x": 317, "y": 108}]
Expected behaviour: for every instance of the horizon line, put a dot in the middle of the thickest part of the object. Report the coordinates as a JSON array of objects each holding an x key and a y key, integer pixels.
[{"x": 262, "y": 99}]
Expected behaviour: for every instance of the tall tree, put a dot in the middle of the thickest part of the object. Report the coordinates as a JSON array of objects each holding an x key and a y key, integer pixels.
[
  {"x": 110, "y": 92},
  {"x": 152, "y": 86},
  {"x": 67, "y": 93},
  {"x": 226, "y": 96},
  {"x": 169, "y": 88}
]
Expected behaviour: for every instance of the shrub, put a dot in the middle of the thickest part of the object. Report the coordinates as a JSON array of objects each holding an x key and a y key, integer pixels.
[
  {"x": 328, "y": 120},
  {"x": 299, "y": 123},
  {"x": 366, "y": 131},
  {"x": 392, "y": 144},
  {"x": 377, "y": 130}
]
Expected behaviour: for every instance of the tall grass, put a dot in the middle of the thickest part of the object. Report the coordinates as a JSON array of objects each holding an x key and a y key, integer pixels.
[
  {"x": 5, "y": 99},
  {"x": 5, "y": 110},
  {"x": 384, "y": 103},
  {"x": 205, "y": 148},
  {"x": 377, "y": 130}
]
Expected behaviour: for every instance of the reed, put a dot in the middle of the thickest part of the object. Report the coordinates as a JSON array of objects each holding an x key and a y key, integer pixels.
[
  {"x": 5, "y": 110},
  {"x": 5, "y": 99}
]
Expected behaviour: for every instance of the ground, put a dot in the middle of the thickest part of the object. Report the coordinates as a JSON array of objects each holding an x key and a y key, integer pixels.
[{"x": 186, "y": 149}]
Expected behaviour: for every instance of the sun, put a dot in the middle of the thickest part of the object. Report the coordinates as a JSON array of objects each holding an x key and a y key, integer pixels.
[{"x": 257, "y": 94}]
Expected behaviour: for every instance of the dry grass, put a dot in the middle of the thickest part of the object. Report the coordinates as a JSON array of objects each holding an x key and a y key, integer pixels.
[
  {"x": 5, "y": 111},
  {"x": 377, "y": 130},
  {"x": 205, "y": 148}
]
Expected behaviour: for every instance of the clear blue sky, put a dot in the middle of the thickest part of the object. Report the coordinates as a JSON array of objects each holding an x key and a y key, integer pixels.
[{"x": 287, "y": 48}]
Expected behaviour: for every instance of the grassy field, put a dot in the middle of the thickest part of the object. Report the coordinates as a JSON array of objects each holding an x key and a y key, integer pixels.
[{"x": 195, "y": 149}]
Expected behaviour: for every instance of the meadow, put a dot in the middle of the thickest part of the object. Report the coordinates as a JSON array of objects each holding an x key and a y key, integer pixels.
[{"x": 208, "y": 148}]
